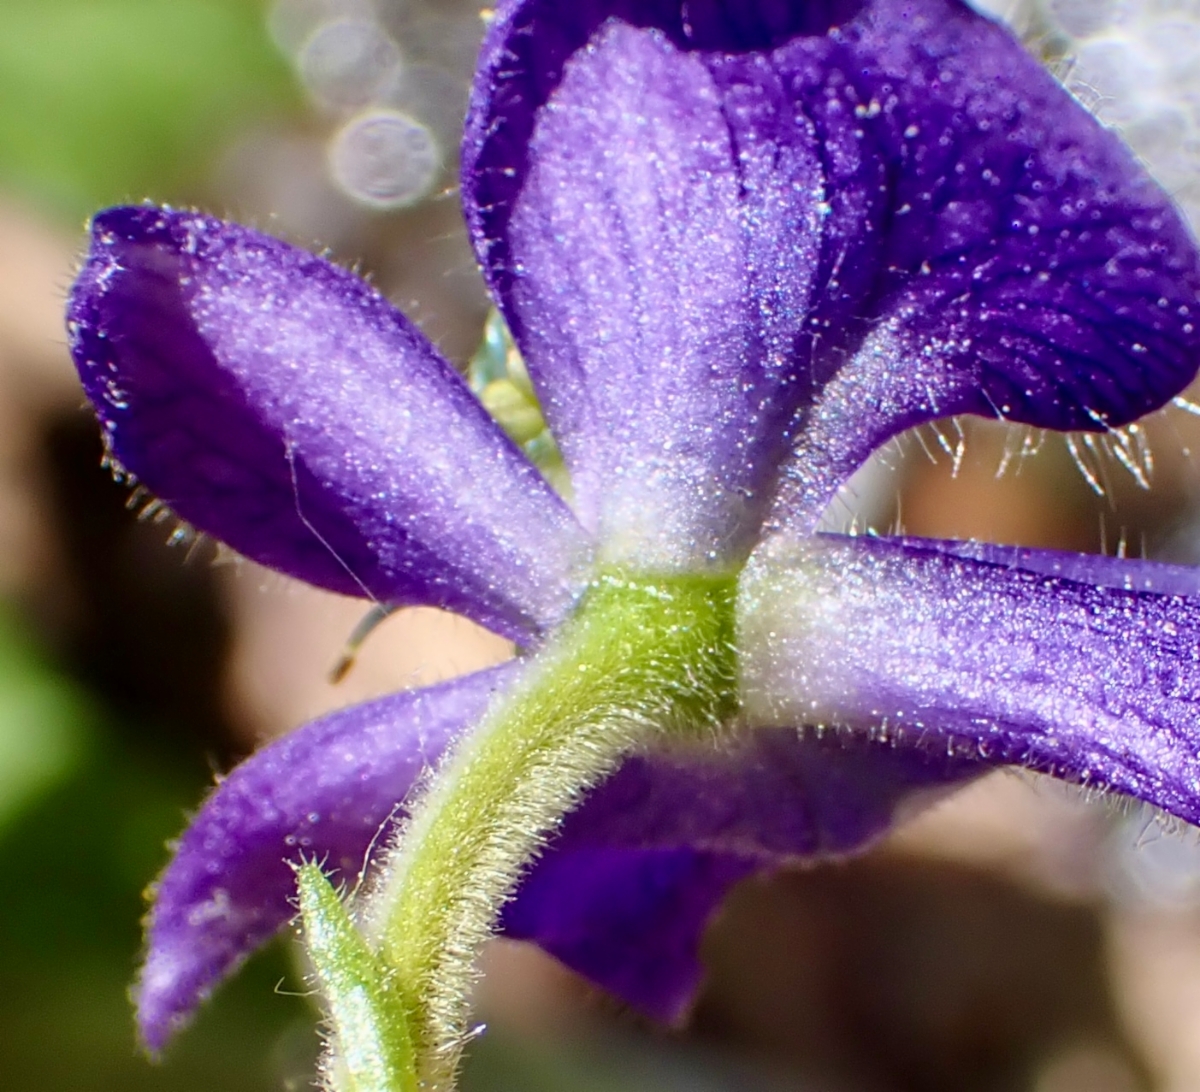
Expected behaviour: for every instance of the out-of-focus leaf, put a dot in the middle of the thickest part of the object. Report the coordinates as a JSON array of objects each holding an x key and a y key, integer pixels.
[
  {"x": 84, "y": 817},
  {"x": 103, "y": 101},
  {"x": 42, "y": 726}
]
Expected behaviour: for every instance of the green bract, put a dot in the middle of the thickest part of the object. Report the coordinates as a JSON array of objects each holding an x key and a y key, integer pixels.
[{"x": 372, "y": 1049}]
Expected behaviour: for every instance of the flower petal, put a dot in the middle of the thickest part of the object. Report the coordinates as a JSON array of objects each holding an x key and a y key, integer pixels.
[
  {"x": 323, "y": 792},
  {"x": 655, "y": 306},
  {"x": 629, "y": 920},
  {"x": 622, "y": 895},
  {"x": 922, "y": 222},
  {"x": 1129, "y": 573},
  {"x": 625, "y": 893},
  {"x": 1017, "y": 662},
  {"x": 278, "y": 403}
]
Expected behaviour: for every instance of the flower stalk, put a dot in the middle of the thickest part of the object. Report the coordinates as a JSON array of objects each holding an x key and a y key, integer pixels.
[{"x": 642, "y": 659}]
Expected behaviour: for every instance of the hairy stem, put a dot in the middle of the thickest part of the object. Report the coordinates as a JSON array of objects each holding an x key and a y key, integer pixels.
[{"x": 642, "y": 657}]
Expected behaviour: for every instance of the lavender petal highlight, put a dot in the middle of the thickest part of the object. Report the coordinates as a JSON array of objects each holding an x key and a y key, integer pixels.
[
  {"x": 1011, "y": 664},
  {"x": 663, "y": 280}
]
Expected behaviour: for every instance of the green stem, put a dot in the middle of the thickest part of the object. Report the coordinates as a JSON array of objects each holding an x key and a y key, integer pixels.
[{"x": 641, "y": 658}]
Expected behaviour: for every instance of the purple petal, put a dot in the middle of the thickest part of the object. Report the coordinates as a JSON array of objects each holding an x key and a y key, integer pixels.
[
  {"x": 1015, "y": 662},
  {"x": 1131, "y": 574},
  {"x": 628, "y": 888},
  {"x": 623, "y": 895},
  {"x": 278, "y": 403},
  {"x": 323, "y": 792},
  {"x": 629, "y": 920},
  {"x": 925, "y": 223},
  {"x": 656, "y": 317}
]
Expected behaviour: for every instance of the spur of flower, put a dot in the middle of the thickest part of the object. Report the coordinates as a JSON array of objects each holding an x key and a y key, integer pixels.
[{"x": 739, "y": 245}]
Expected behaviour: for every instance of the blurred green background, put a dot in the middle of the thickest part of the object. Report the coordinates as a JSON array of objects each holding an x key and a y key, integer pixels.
[
  {"x": 104, "y": 101},
  {"x": 107, "y": 101}
]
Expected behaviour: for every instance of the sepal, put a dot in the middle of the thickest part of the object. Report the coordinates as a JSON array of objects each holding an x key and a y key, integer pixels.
[{"x": 372, "y": 1047}]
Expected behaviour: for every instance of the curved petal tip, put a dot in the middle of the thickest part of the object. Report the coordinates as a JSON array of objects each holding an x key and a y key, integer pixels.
[{"x": 325, "y": 791}]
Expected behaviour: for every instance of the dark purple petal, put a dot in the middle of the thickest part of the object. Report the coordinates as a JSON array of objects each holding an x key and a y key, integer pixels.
[
  {"x": 1011, "y": 660},
  {"x": 959, "y": 234},
  {"x": 629, "y": 920},
  {"x": 280, "y": 404},
  {"x": 323, "y": 792},
  {"x": 770, "y": 794},
  {"x": 626, "y": 891}
]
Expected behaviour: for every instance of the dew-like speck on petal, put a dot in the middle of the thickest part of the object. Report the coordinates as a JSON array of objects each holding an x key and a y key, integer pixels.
[{"x": 385, "y": 159}]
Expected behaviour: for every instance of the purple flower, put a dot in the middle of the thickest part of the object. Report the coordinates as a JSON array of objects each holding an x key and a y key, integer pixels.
[{"x": 741, "y": 244}]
